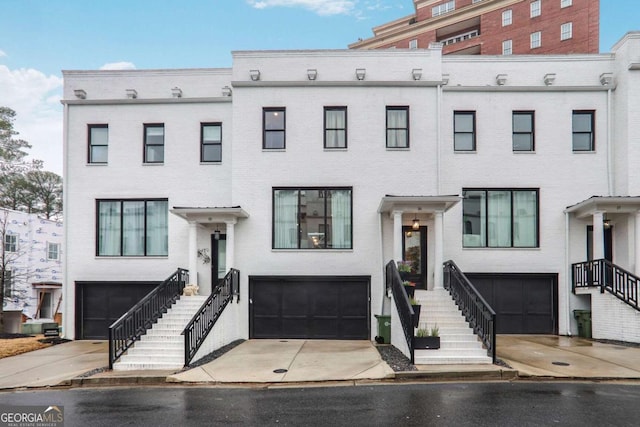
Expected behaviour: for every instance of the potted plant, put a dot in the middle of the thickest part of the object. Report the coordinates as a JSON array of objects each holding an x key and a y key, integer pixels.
[
  {"x": 427, "y": 339},
  {"x": 416, "y": 311},
  {"x": 410, "y": 288},
  {"x": 404, "y": 268}
]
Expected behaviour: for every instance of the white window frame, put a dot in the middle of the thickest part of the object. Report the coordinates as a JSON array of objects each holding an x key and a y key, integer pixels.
[
  {"x": 536, "y": 8},
  {"x": 535, "y": 40},
  {"x": 443, "y": 8},
  {"x": 566, "y": 3},
  {"x": 566, "y": 31},
  {"x": 413, "y": 44},
  {"x": 507, "y": 47},
  {"x": 11, "y": 242},
  {"x": 53, "y": 248},
  {"x": 507, "y": 17}
]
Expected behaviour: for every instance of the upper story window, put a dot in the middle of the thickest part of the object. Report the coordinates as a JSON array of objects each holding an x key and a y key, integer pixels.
[
  {"x": 507, "y": 47},
  {"x": 132, "y": 227},
  {"x": 273, "y": 128},
  {"x": 413, "y": 44},
  {"x": 312, "y": 218},
  {"x": 536, "y": 8},
  {"x": 443, "y": 8},
  {"x": 8, "y": 283},
  {"x": 211, "y": 142},
  {"x": 523, "y": 131},
  {"x": 154, "y": 143},
  {"x": 53, "y": 251},
  {"x": 566, "y": 31},
  {"x": 11, "y": 242},
  {"x": 397, "y": 127},
  {"x": 566, "y": 3},
  {"x": 500, "y": 218},
  {"x": 464, "y": 130},
  {"x": 98, "y": 143},
  {"x": 335, "y": 127},
  {"x": 583, "y": 130},
  {"x": 507, "y": 18},
  {"x": 536, "y": 40}
]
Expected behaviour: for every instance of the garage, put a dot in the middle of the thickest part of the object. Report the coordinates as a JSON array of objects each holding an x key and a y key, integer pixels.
[
  {"x": 309, "y": 307},
  {"x": 99, "y": 304},
  {"x": 524, "y": 303}
]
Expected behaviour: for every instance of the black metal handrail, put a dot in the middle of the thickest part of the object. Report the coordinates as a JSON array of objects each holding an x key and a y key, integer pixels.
[
  {"x": 475, "y": 309},
  {"x": 203, "y": 321},
  {"x": 405, "y": 311},
  {"x": 609, "y": 277},
  {"x": 128, "y": 329}
]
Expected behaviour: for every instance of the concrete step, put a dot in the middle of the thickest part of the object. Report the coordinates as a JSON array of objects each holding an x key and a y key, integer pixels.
[
  {"x": 450, "y": 360},
  {"x": 149, "y": 365},
  {"x": 160, "y": 345}
]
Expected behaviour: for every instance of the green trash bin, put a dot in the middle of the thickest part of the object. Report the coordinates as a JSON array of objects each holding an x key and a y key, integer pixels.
[
  {"x": 384, "y": 329},
  {"x": 584, "y": 322}
]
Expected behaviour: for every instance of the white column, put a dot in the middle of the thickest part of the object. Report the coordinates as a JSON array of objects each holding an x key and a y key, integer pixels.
[
  {"x": 598, "y": 235},
  {"x": 637, "y": 244},
  {"x": 193, "y": 252},
  {"x": 397, "y": 235},
  {"x": 438, "y": 249},
  {"x": 231, "y": 229}
]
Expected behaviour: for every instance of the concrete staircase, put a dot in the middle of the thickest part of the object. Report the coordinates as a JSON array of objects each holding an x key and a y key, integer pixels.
[
  {"x": 458, "y": 343},
  {"x": 162, "y": 347}
]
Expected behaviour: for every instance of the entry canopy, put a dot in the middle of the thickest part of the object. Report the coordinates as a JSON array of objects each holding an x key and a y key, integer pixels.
[
  {"x": 417, "y": 204},
  {"x": 612, "y": 205},
  {"x": 205, "y": 215}
]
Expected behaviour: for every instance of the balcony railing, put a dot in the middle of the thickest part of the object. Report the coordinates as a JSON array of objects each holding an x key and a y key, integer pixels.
[{"x": 608, "y": 277}]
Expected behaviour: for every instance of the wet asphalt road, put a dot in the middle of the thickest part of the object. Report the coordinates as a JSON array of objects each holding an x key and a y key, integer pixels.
[{"x": 474, "y": 404}]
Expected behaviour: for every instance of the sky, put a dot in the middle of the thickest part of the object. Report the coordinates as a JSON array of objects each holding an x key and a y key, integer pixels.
[{"x": 39, "y": 38}]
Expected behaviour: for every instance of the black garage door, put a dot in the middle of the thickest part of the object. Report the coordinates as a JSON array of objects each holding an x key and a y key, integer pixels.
[
  {"x": 309, "y": 307},
  {"x": 99, "y": 304},
  {"x": 524, "y": 303}
]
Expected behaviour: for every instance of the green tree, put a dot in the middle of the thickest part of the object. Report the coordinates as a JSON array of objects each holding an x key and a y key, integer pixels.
[{"x": 43, "y": 193}]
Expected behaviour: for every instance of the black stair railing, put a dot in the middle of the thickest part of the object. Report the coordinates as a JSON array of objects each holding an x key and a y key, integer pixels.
[
  {"x": 128, "y": 329},
  {"x": 405, "y": 311},
  {"x": 475, "y": 309},
  {"x": 203, "y": 321},
  {"x": 608, "y": 277}
]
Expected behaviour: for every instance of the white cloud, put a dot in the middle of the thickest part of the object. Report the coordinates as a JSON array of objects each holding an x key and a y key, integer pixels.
[
  {"x": 321, "y": 7},
  {"x": 119, "y": 66},
  {"x": 35, "y": 97},
  {"x": 2, "y": 53}
]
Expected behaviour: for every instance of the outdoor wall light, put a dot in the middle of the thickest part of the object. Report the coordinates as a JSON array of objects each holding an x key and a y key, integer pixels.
[
  {"x": 416, "y": 73},
  {"x": 176, "y": 92},
  {"x": 80, "y": 93},
  {"x": 226, "y": 91},
  {"x": 606, "y": 223},
  {"x": 255, "y": 75},
  {"x": 549, "y": 79},
  {"x": 501, "y": 79},
  {"x": 132, "y": 93},
  {"x": 216, "y": 233},
  {"x": 606, "y": 79},
  {"x": 416, "y": 224},
  {"x": 312, "y": 74},
  {"x": 360, "y": 73}
]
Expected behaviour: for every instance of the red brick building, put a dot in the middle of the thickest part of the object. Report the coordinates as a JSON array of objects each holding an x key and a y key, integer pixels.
[{"x": 494, "y": 27}]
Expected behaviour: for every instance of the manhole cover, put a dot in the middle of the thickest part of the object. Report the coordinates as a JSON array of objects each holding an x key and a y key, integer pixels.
[
  {"x": 560, "y": 363},
  {"x": 284, "y": 341},
  {"x": 96, "y": 343},
  {"x": 280, "y": 371}
]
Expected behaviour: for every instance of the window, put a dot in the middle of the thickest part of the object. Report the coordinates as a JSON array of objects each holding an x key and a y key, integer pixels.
[
  {"x": 53, "y": 251},
  {"x": 273, "y": 128},
  {"x": 154, "y": 143},
  {"x": 7, "y": 283},
  {"x": 210, "y": 142},
  {"x": 523, "y": 131},
  {"x": 583, "y": 135},
  {"x": 335, "y": 127},
  {"x": 312, "y": 218},
  {"x": 507, "y": 47},
  {"x": 413, "y": 44},
  {"x": 565, "y": 3},
  {"x": 441, "y": 9},
  {"x": 464, "y": 130},
  {"x": 536, "y": 8},
  {"x": 98, "y": 143},
  {"x": 500, "y": 218},
  {"x": 132, "y": 227},
  {"x": 11, "y": 242},
  {"x": 536, "y": 39},
  {"x": 397, "y": 127},
  {"x": 507, "y": 18},
  {"x": 566, "y": 31}
]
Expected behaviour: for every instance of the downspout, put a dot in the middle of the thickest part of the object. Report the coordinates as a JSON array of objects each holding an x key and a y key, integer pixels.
[
  {"x": 385, "y": 306},
  {"x": 66, "y": 298},
  {"x": 567, "y": 273},
  {"x": 610, "y": 173},
  {"x": 438, "y": 130}
]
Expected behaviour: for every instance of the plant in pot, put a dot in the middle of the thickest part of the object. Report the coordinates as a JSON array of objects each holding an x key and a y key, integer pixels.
[
  {"x": 404, "y": 268},
  {"x": 416, "y": 311},
  {"x": 427, "y": 339},
  {"x": 410, "y": 288}
]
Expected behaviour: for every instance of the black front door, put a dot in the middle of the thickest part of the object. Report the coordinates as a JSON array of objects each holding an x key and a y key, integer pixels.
[
  {"x": 414, "y": 251},
  {"x": 608, "y": 243},
  {"x": 218, "y": 258}
]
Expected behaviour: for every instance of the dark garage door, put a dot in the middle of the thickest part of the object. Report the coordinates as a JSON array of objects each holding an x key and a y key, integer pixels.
[
  {"x": 309, "y": 307},
  {"x": 99, "y": 304},
  {"x": 524, "y": 303}
]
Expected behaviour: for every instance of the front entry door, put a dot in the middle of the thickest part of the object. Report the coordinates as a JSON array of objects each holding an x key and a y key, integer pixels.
[
  {"x": 218, "y": 258},
  {"x": 608, "y": 243},
  {"x": 414, "y": 251}
]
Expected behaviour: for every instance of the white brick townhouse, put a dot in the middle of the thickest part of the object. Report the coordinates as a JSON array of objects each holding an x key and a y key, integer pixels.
[{"x": 307, "y": 171}]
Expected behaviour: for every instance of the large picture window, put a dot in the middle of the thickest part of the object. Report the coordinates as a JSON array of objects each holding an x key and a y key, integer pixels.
[
  {"x": 335, "y": 127},
  {"x": 312, "y": 218},
  {"x": 154, "y": 143},
  {"x": 397, "y": 127},
  {"x": 98, "y": 143},
  {"x": 273, "y": 128},
  {"x": 132, "y": 227},
  {"x": 500, "y": 218}
]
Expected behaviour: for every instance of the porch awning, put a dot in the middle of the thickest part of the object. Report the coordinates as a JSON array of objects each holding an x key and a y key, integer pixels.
[
  {"x": 206, "y": 215},
  {"x": 47, "y": 285},
  {"x": 609, "y": 204},
  {"x": 417, "y": 204}
]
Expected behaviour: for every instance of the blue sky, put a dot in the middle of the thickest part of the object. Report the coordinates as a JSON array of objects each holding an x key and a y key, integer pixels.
[{"x": 39, "y": 38}]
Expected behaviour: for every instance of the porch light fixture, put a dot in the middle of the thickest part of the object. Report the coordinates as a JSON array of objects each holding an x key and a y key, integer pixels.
[
  {"x": 216, "y": 233},
  {"x": 416, "y": 224},
  {"x": 360, "y": 73},
  {"x": 312, "y": 74},
  {"x": 606, "y": 223},
  {"x": 176, "y": 92},
  {"x": 501, "y": 79},
  {"x": 80, "y": 94},
  {"x": 132, "y": 93},
  {"x": 416, "y": 73},
  {"x": 226, "y": 91},
  {"x": 606, "y": 79},
  {"x": 255, "y": 75},
  {"x": 549, "y": 79}
]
